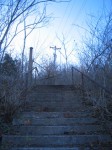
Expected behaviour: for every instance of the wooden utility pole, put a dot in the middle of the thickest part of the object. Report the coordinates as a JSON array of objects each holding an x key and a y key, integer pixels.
[
  {"x": 55, "y": 56},
  {"x": 30, "y": 66}
]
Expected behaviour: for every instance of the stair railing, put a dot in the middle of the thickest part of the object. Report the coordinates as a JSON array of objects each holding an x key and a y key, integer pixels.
[
  {"x": 86, "y": 76},
  {"x": 93, "y": 92}
]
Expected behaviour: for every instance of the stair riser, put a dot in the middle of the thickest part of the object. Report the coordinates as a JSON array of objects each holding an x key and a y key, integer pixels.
[
  {"x": 52, "y": 109},
  {"x": 55, "y": 114},
  {"x": 54, "y": 87},
  {"x": 54, "y": 97},
  {"x": 57, "y": 130},
  {"x": 56, "y": 100},
  {"x": 55, "y": 104},
  {"x": 55, "y": 140},
  {"x": 54, "y": 121},
  {"x": 75, "y": 148},
  {"x": 64, "y": 148}
]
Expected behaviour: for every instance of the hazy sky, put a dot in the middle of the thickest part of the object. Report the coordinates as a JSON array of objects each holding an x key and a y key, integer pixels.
[{"x": 65, "y": 17}]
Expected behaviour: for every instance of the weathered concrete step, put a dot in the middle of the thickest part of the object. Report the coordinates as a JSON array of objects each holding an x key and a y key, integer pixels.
[
  {"x": 55, "y": 121},
  {"x": 60, "y": 104},
  {"x": 54, "y": 91},
  {"x": 74, "y": 148},
  {"x": 83, "y": 113},
  {"x": 57, "y": 93},
  {"x": 67, "y": 148},
  {"x": 52, "y": 109},
  {"x": 55, "y": 99},
  {"x": 53, "y": 141},
  {"x": 54, "y": 87},
  {"x": 56, "y": 130},
  {"x": 56, "y": 103}
]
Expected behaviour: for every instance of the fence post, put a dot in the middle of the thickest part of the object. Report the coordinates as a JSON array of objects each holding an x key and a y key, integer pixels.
[
  {"x": 30, "y": 67},
  {"x": 26, "y": 89},
  {"x": 82, "y": 80},
  {"x": 72, "y": 76},
  {"x": 83, "y": 88}
]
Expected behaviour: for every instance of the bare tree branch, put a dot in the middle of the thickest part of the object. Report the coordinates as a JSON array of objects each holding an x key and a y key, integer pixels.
[{"x": 12, "y": 12}]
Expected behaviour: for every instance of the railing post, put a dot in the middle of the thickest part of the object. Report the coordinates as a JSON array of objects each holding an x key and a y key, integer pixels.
[
  {"x": 82, "y": 84},
  {"x": 30, "y": 67},
  {"x": 82, "y": 80},
  {"x": 72, "y": 76},
  {"x": 26, "y": 89}
]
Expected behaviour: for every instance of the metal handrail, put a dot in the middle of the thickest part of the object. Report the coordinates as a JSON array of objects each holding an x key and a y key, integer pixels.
[
  {"x": 104, "y": 89},
  {"x": 90, "y": 79}
]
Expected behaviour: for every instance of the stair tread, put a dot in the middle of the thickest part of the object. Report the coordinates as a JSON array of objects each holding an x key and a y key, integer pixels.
[
  {"x": 56, "y": 130},
  {"x": 44, "y": 115},
  {"x": 64, "y": 148},
  {"x": 53, "y": 140},
  {"x": 55, "y": 121}
]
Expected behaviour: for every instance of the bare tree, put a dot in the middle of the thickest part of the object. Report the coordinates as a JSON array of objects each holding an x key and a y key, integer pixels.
[
  {"x": 97, "y": 61},
  {"x": 67, "y": 53},
  {"x": 17, "y": 15},
  {"x": 99, "y": 44}
]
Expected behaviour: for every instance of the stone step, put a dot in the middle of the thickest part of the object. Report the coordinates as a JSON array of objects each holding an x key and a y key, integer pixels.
[
  {"x": 54, "y": 105},
  {"x": 59, "y": 148},
  {"x": 54, "y": 87},
  {"x": 55, "y": 99},
  {"x": 54, "y": 91},
  {"x": 52, "y": 109},
  {"x": 56, "y": 130},
  {"x": 83, "y": 113},
  {"x": 56, "y": 141},
  {"x": 65, "y": 96},
  {"x": 54, "y": 121},
  {"x": 67, "y": 148},
  {"x": 74, "y": 148}
]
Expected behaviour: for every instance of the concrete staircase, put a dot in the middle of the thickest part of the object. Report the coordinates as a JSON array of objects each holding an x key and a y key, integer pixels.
[{"x": 55, "y": 119}]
